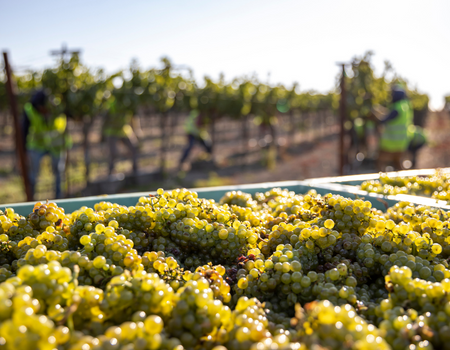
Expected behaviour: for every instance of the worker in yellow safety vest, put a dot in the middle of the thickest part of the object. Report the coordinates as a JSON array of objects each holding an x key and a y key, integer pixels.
[
  {"x": 195, "y": 128},
  {"x": 118, "y": 128},
  {"x": 395, "y": 134},
  {"x": 45, "y": 134}
]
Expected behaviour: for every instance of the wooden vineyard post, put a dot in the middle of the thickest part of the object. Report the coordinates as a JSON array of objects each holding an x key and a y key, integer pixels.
[
  {"x": 342, "y": 112},
  {"x": 292, "y": 129},
  {"x": 173, "y": 125},
  {"x": 308, "y": 128},
  {"x": 162, "y": 159},
  {"x": 213, "y": 132},
  {"x": 19, "y": 141},
  {"x": 245, "y": 137},
  {"x": 323, "y": 125},
  {"x": 87, "y": 124}
]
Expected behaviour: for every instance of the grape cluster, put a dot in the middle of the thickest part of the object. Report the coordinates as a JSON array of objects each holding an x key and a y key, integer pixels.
[
  {"x": 240, "y": 199},
  {"x": 276, "y": 270},
  {"x": 336, "y": 327},
  {"x": 417, "y": 311}
]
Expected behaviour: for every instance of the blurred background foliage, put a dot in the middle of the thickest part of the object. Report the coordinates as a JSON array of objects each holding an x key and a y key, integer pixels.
[{"x": 83, "y": 92}]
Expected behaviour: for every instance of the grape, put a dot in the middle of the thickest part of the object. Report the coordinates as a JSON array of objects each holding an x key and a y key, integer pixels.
[{"x": 154, "y": 324}]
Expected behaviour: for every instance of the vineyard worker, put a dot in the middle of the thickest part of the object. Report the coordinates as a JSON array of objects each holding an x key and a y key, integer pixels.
[
  {"x": 394, "y": 139},
  {"x": 118, "y": 128},
  {"x": 418, "y": 139},
  {"x": 195, "y": 128},
  {"x": 45, "y": 134}
]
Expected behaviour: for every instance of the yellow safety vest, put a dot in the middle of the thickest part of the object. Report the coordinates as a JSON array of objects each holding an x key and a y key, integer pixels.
[
  {"x": 46, "y": 135},
  {"x": 395, "y": 136},
  {"x": 191, "y": 127}
]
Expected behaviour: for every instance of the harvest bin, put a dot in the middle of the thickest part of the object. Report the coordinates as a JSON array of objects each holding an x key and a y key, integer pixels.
[{"x": 345, "y": 186}]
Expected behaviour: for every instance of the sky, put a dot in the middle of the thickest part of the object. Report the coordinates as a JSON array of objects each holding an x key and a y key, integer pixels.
[{"x": 279, "y": 41}]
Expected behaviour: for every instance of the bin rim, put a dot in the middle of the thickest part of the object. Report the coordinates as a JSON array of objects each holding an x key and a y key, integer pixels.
[
  {"x": 107, "y": 197},
  {"x": 334, "y": 185}
]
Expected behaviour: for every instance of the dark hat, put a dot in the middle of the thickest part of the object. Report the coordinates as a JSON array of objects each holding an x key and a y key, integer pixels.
[
  {"x": 398, "y": 93},
  {"x": 39, "y": 99}
]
